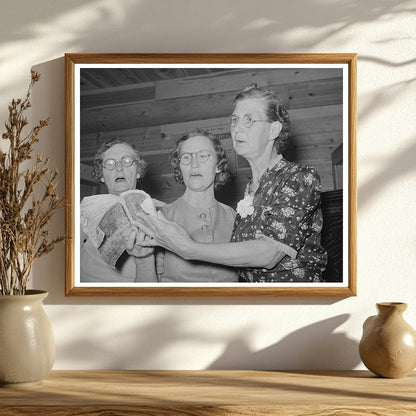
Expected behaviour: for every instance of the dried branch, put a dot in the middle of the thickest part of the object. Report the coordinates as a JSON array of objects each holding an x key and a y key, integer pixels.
[{"x": 24, "y": 217}]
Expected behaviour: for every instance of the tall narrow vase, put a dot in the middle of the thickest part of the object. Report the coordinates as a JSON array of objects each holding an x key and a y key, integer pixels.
[
  {"x": 388, "y": 345},
  {"x": 27, "y": 347}
]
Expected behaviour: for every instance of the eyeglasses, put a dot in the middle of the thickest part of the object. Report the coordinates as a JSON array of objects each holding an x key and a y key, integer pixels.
[
  {"x": 202, "y": 156},
  {"x": 246, "y": 120},
  {"x": 125, "y": 161}
]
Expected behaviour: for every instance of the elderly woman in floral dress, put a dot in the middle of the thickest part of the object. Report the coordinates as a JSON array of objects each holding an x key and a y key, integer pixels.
[{"x": 276, "y": 234}]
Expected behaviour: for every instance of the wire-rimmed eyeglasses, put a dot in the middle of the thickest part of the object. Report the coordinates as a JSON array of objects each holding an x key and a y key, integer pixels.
[
  {"x": 247, "y": 121},
  {"x": 202, "y": 156},
  {"x": 125, "y": 161}
]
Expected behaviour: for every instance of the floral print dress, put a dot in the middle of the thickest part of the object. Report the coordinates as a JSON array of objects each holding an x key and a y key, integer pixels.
[{"x": 286, "y": 208}]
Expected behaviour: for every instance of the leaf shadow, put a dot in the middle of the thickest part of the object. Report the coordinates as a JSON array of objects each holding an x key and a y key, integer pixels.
[{"x": 316, "y": 346}]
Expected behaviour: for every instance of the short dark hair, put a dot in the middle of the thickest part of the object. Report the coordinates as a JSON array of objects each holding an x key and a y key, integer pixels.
[
  {"x": 221, "y": 177},
  {"x": 275, "y": 111},
  {"x": 97, "y": 171}
]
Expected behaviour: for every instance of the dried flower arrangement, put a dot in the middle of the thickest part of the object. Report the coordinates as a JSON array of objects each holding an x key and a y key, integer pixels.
[{"x": 28, "y": 200}]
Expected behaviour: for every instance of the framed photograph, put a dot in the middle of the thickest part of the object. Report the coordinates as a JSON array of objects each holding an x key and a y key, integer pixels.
[{"x": 211, "y": 174}]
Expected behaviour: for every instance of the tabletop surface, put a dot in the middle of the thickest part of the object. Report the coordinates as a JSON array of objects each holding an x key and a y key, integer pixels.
[{"x": 225, "y": 391}]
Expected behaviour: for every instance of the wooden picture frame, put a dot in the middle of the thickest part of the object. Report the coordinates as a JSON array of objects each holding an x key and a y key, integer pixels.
[{"x": 326, "y": 104}]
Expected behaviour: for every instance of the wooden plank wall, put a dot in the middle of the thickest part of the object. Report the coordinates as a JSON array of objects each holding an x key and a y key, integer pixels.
[{"x": 154, "y": 115}]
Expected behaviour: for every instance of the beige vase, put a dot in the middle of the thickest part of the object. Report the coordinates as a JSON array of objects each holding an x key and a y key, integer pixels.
[
  {"x": 388, "y": 345},
  {"x": 27, "y": 347}
]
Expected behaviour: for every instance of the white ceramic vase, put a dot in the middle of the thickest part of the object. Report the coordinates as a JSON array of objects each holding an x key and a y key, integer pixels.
[{"x": 27, "y": 346}]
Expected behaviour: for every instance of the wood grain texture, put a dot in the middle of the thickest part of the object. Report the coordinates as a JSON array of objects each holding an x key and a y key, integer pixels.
[
  {"x": 352, "y": 179},
  {"x": 69, "y": 172},
  {"x": 243, "y": 393},
  {"x": 316, "y": 93},
  {"x": 256, "y": 410},
  {"x": 311, "y": 126},
  {"x": 234, "y": 80},
  {"x": 230, "y": 291},
  {"x": 211, "y": 58}
]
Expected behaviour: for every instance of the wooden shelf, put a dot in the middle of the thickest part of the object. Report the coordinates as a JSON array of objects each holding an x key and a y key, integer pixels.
[{"x": 253, "y": 393}]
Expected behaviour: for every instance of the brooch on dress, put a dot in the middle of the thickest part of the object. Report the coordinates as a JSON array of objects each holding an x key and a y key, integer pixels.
[{"x": 245, "y": 206}]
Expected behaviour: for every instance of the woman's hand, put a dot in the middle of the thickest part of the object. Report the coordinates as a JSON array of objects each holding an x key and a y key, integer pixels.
[
  {"x": 263, "y": 252},
  {"x": 165, "y": 233},
  {"x": 134, "y": 247}
]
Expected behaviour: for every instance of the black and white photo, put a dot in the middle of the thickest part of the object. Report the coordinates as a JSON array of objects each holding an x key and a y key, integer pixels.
[{"x": 210, "y": 175}]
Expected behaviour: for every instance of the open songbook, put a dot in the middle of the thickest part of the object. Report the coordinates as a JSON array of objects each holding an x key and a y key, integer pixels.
[{"x": 107, "y": 220}]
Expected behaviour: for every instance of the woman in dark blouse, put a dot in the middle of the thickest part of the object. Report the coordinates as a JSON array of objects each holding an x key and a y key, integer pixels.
[{"x": 276, "y": 235}]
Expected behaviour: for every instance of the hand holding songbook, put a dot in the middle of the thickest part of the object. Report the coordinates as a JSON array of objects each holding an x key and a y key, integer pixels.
[{"x": 109, "y": 220}]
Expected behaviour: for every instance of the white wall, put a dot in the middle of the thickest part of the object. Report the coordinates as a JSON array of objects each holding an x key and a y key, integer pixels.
[{"x": 200, "y": 333}]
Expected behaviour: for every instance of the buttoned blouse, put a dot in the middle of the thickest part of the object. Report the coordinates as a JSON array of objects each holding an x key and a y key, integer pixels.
[{"x": 205, "y": 225}]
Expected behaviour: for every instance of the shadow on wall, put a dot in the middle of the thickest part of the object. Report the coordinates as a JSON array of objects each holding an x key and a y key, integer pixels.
[
  {"x": 313, "y": 347},
  {"x": 391, "y": 170},
  {"x": 153, "y": 344},
  {"x": 105, "y": 26},
  {"x": 134, "y": 21},
  {"x": 140, "y": 347}
]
